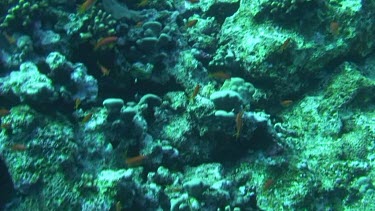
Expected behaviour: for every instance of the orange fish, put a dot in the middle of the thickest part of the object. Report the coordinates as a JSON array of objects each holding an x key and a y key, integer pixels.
[
  {"x": 139, "y": 24},
  {"x": 105, "y": 41},
  {"x": 87, "y": 117},
  {"x": 85, "y": 6},
  {"x": 6, "y": 126},
  {"x": 77, "y": 103},
  {"x": 268, "y": 184},
  {"x": 219, "y": 75},
  {"x": 239, "y": 124},
  {"x": 18, "y": 147},
  {"x": 11, "y": 40},
  {"x": 195, "y": 92},
  {"x": 105, "y": 71},
  {"x": 191, "y": 23},
  {"x": 334, "y": 28},
  {"x": 286, "y": 103},
  {"x": 135, "y": 161},
  {"x": 4, "y": 112},
  {"x": 118, "y": 206},
  {"x": 285, "y": 45}
]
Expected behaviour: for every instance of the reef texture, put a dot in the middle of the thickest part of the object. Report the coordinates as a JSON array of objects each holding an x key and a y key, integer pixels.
[{"x": 187, "y": 105}]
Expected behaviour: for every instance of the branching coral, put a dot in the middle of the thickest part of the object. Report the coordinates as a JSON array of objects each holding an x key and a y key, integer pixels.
[{"x": 21, "y": 14}]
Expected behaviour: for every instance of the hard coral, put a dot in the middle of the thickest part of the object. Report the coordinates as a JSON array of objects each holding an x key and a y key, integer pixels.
[{"x": 22, "y": 14}]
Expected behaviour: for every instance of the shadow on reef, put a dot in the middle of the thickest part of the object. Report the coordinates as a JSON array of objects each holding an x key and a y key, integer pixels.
[
  {"x": 120, "y": 82},
  {"x": 7, "y": 190},
  {"x": 314, "y": 81},
  {"x": 260, "y": 141}
]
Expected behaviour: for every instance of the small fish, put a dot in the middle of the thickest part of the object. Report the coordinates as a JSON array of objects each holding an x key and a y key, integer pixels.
[
  {"x": 285, "y": 45},
  {"x": 11, "y": 40},
  {"x": 334, "y": 28},
  {"x": 195, "y": 92},
  {"x": 193, "y": 1},
  {"x": 191, "y": 23},
  {"x": 18, "y": 147},
  {"x": 77, "y": 103},
  {"x": 4, "y": 112},
  {"x": 173, "y": 189},
  {"x": 268, "y": 184},
  {"x": 142, "y": 3},
  {"x": 219, "y": 75},
  {"x": 6, "y": 126},
  {"x": 85, "y": 6},
  {"x": 286, "y": 103},
  {"x": 105, "y": 71},
  {"x": 87, "y": 117},
  {"x": 118, "y": 206},
  {"x": 105, "y": 41},
  {"x": 139, "y": 24},
  {"x": 135, "y": 161},
  {"x": 239, "y": 124}
]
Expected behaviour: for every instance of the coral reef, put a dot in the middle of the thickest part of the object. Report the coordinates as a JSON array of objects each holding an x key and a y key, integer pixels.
[{"x": 187, "y": 105}]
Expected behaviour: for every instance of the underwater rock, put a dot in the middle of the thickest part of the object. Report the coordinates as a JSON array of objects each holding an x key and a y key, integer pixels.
[
  {"x": 194, "y": 187},
  {"x": 152, "y": 28},
  {"x": 85, "y": 84},
  {"x": 162, "y": 176},
  {"x": 288, "y": 10},
  {"x": 25, "y": 44},
  {"x": 151, "y": 100},
  {"x": 73, "y": 25},
  {"x": 225, "y": 114},
  {"x": 151, "y": 40},
  {"x": 153, "y": 43},
  {"x": 56, "y": 61},
  {"x": 108, "y": 180},
  {"x": 147, "y": 44},
  {"x": 164, "y": 40},
  {"x": 50, "y": 140},
  {"x": 350, "y": 86},
  {"x": 29, "y": 85},
  {"x": 141, "y": 71},
  {"x": 140, "y": 125},
  {"x": 180, "y": 202},
  {"x": 221, "y": 9},
  {"x": 247, "y": 90},
  {"x": 128, "y": 113},
  {"x": 227, "y": 100},
  {"x": 147, "y": 104},
  {"x": 74, "y": 79},
  {"x": 214, "y": 190},
  {"x": 49, "y": 40},
  {"x": 113, "y": 105},
  {"x": 22, "y": 50},
  {"x": 118, "y": 10}
]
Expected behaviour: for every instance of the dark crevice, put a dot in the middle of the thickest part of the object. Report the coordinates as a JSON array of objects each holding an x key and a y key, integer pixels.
[
  {"x": 7, "y": 188},
  {"x": 227, "y": 153}
]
